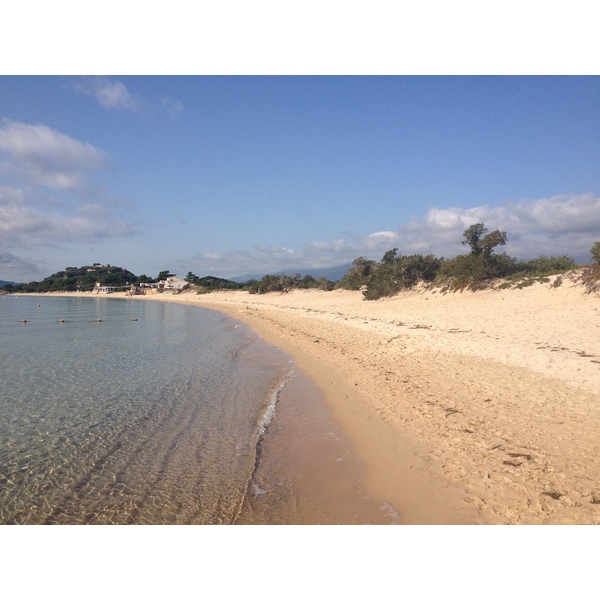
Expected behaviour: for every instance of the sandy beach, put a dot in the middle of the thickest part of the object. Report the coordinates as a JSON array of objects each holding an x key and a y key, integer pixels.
[{"x": 463, "y": 407}]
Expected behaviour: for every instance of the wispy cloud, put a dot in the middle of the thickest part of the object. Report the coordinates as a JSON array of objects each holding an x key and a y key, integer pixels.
[
  {"x": 172, "y": 107},
  {"x": 110, "y": 94},
  {"x": 114, "y": 95},
  {"x": 547, "y": 226}
]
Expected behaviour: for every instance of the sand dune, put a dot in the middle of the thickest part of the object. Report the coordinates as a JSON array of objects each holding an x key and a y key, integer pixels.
[{"x": 490, "y": 400}]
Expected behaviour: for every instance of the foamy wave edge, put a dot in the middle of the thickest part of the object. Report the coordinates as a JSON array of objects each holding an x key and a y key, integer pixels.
[{"x": 266, "y": 415}]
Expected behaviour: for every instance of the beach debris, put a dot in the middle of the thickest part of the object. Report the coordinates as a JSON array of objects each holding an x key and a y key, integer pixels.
[
  {"x": 520, "y": 455},
  {"x": 554, "y": 495}
]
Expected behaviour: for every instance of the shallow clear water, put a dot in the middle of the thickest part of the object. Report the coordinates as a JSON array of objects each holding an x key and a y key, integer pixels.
[{"x": 107, "y": 419}]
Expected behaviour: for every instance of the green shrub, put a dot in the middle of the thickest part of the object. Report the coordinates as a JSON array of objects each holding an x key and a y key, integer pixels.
[
  {"x": 286, "y": 283},
  {"x": 473, "y": 271},
  {"x": 544, "y": 265},
  {"x": 359, "y": 275},
  {"x": 591, "y": 274},
  {"x": 396, "y": 273},
  {"x": 595, "y": 252}
]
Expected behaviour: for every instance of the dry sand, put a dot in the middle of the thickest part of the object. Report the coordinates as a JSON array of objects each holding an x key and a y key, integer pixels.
[{"x": 464, "y": 407}]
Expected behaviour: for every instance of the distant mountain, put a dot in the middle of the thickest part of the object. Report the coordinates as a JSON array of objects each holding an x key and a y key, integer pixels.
[
  {"x": 331, "y": 273},
  {"x": 7, "y": 283}
]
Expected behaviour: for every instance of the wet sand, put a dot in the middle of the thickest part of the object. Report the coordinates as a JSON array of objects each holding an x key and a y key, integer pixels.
[{"x": 308, "y": 472}]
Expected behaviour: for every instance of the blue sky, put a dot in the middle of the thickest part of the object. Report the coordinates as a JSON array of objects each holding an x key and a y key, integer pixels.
[{"x": 230, "y": 175}]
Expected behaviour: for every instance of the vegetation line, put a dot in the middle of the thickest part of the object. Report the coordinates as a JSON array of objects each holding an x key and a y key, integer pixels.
[{"x": 478, "y": 269}]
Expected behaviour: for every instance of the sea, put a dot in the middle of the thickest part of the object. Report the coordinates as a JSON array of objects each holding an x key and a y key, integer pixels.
[{"x": 117, "y": 411}]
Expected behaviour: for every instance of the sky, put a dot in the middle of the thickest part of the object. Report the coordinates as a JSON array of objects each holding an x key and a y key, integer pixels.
[{"x": 236, "y": 175}]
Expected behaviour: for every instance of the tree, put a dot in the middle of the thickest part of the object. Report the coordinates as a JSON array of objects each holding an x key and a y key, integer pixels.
[
  {"x": 472, "y": 237},
  {"x": 145, "y": 279},
  {"x": 164, "y": 274},
  {"x": 359, "y": 274},
  {"x": 190, "y": 277},
  {"x": 490, "y": 241},
  {"x": 390, "y": 256},
  {"x": 483, "y": 245}
]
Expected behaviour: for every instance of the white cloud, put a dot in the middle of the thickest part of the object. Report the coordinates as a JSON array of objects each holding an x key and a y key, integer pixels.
[
  {"x": 110, "y": 94},
  {"x": 51, "y": 202},
  {"x": 37, "y": 154},
  {"x": 556, "y": 225},
  {"x": 547, "y": 226},
  {"x": 25, "y": 225}
]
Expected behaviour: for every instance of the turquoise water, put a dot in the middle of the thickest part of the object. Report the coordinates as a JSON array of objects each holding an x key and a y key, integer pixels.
[{"x": 129, "y": 411}]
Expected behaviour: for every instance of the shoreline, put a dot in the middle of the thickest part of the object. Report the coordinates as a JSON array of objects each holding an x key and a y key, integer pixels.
[
  {"x": 464, "y": 408},
  {"x": 393, "y": 469}
]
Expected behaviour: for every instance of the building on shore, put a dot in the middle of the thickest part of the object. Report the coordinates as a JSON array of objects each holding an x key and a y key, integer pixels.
[{"x": 106, "y": 289}]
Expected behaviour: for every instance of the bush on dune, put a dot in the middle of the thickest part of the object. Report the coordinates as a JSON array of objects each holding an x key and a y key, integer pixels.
[
  {"x": 359, "y": 275},
  {"x": 474, "y": 272},
  {"x": 397, "y": 273},
  {"x": 286, "y": 283},
  {"x": 544, "y": 266},
  {"x": 591, "y": 274}
]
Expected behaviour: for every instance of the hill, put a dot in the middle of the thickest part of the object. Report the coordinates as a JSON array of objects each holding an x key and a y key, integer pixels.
[
  {"x": 77, "y": 279},
  {"x": 210, "y": 283}
]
